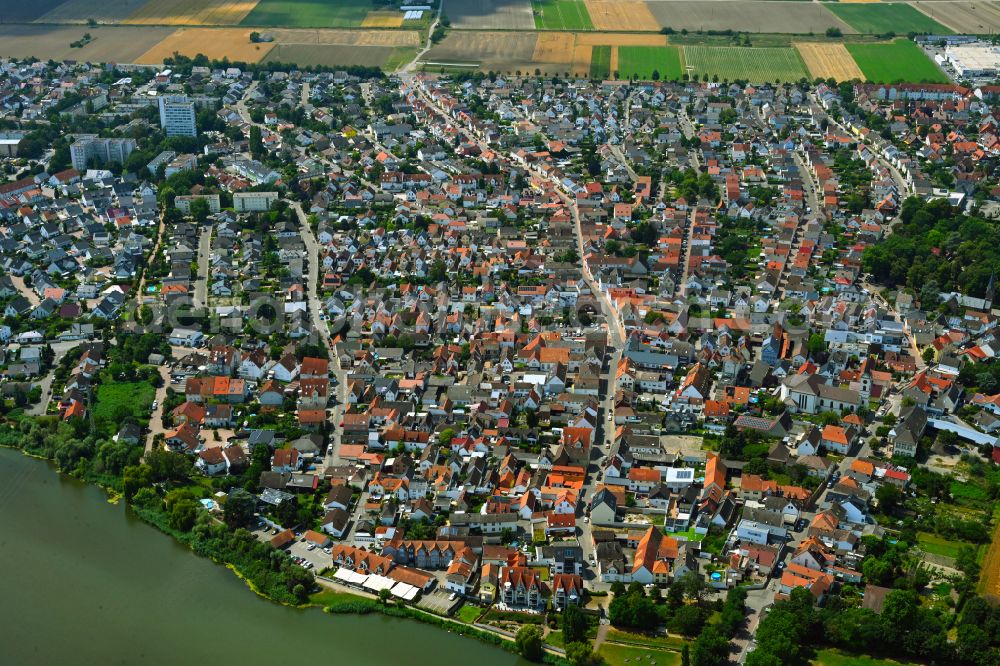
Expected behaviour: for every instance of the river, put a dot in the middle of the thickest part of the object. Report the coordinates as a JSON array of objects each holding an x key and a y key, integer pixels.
[{"x": 84, "y": 582}]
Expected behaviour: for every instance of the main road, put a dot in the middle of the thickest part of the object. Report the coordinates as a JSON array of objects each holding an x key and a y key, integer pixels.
[
  {"x": 319, "y": 325},
  {"x": 615, "y": 329}
]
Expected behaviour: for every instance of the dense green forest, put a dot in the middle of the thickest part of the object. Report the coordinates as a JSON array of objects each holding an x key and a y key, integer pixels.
[{"x": 935, "y": 247}]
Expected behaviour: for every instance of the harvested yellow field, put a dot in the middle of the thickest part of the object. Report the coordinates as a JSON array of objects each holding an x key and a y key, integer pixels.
[
  {"x": 192, "y": 12},
  {"x": 377, "y": 19},
  {"x": 598, "y": 39},
  {"x": 216, "y": 43},
  {"x": 555, "y": 47},
  {"x": 345, "y": 37},
  {"x": 625, "y": 15},
  {"x": 614, "y": 59},
  {"x": 829, "y": 60}
]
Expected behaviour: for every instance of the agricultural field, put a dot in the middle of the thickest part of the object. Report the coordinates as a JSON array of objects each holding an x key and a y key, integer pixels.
[
  {"x": 328, "y": 37},
  {"x": 827, "y": 60},
  {"x": 18, "y": 11},
  {"x": 110, "y": 43},
  {"x": 642, "y": 60},
  {"x": 880, "y": 18},
  {"x": 490, "y": 14},
  {"x": 308, "y": 13},
  {"x": 191, "y": 12},
  {"x": 964, "y": 17},
  {"x": 384, "y": 19},
  {"x": 748, "y": 16},
  {"x": 752, "y": 64},
  {"x": 498, "y": 51},
  {"x": 989, "y": 580},
  {"x": 600, "y": 62},
  {"x": 624, "y": 15},
  {"x": 102, "y": 11},
  {"x": 901, "y": 60},
  {"x": 558, "y": 52},
  {"x": 561, "y": 15},
  {"x": 339, "y": 55},
  {"x": 216, "y": 43}
]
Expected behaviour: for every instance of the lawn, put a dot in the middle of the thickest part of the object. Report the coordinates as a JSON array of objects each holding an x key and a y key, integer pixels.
[
  {"x": 561, "y": 15},
  {"x": 644, "y": 61},
  {"x": 120, "y": 401},
  {"x": 617, "y": 655},
  {"x": 752, "y": 64},
  {"x": 326, "y": 597},
  {"x": 902, "y": 60},
  {"x": 469, "y": 613},
  {"x": 644, "y": 640},
  {"x": 936, "y": 545},
  {"x": 600, "y": 62},
  {"x": 308, "y": 13},
  {"x": 885, "y": 17},
  {"x": 840, "y": 658}
]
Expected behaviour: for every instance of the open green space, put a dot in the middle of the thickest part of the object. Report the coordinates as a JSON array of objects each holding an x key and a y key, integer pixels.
[
  {"x": 901, "y": 60},
  {"x": 618, "y": 655},
  {"x": 840, "y": 658},
  {"x": 879, "y": 18},
  {"x": 118, "y": 402},
  {"x": 645, "y": 61},
  {"x": 752, "y": 64},
  {"x": 937, "y": 545},
  {"x": 469, "y": 613},
  {"x": 600, "y": 62},
  {"x": 561, "y": 15},
  {"x": 309, "y": 13}
]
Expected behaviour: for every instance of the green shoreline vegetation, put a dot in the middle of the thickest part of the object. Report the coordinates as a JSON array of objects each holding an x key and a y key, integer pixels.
[{"x": 175, "y": 513}]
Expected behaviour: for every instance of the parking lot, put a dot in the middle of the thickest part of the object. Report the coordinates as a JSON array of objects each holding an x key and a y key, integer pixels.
[{"x": 438, "y": 602}]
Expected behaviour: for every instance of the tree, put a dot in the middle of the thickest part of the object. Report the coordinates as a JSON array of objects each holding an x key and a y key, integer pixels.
[
  {"x": 239, "y": 508},
  {"x": 686, "y": 655},
  {"x": 694, "y": 585},
  {"x": 710, "y": 648},
  {"x": 529, "y": 642},
  {"x": 183, "y": 514},
  {"x": 574, "y": 624},
  {"x": 135, "y": 477},
  {"x": 582, "y": 654},
  {"x": 383, "y": 595},
  {"x": 888, "y": 498},
  {"x": 687, "y": 620}
]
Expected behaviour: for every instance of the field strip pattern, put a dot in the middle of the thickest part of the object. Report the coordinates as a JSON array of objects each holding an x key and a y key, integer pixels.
[
  {"x": 336, "y": 36},
  {"x": 980, "y": 18},
  {"x": 827, "y": 60},
  {"x": 215, "y": 43},
  {"x": 753, "y": 64},
  {"x": 80, "y": 11},
  {"x": 625, "y": 15},
  {"x": 192, "y": 12}
]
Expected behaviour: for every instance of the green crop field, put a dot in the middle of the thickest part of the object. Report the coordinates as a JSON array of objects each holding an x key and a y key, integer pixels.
[
  {"x": 752, "y": 64},
  {"x": 642, "y": 61},
  {"x": 878, "y": 18},
  {"x": 600, "y": 62},
  {"x": 308, "y": 13},
  {"x": 561, "y": 15},
  {"x": 902, "y": 60}
]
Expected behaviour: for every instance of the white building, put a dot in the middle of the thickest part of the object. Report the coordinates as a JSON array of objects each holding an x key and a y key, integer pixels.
[
  {"x": 974, "y": 60},
  {"x": 253, "y": 202},
  {"x": 177, "y": 116},
  {"x": 102, "y": 151}
]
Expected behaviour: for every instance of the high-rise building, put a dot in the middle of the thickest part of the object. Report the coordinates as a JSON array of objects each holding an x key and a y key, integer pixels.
[
  {"x": 177, "y": 117},
  {"x": 102, "y": 151}
]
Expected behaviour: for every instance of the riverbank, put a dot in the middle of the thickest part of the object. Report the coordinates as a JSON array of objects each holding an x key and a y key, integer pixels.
[
  {"x": 212, "y": 540},
  {"x": 121, "y": 593}
]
